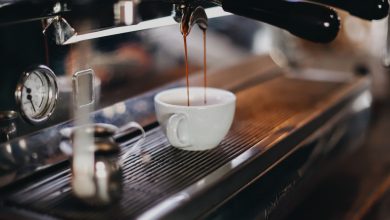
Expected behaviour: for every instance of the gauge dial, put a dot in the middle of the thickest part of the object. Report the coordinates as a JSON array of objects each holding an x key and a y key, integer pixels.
[{"x": 36, "y": 94}]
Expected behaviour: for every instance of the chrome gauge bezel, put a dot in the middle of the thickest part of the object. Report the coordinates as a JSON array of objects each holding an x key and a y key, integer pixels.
[{"x": 48, "y": 110}]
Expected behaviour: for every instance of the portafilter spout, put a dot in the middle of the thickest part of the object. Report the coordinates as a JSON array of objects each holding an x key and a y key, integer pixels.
[
  {"x": 191, "y": 16},
  {"x": 199, "y": 17}
]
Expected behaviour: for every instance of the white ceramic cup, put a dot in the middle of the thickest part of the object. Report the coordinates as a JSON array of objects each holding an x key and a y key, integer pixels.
[{"x": 198, "y": 126}]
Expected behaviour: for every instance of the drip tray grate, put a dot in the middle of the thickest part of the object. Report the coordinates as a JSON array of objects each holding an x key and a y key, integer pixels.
[{"x": 260, "y": 109}]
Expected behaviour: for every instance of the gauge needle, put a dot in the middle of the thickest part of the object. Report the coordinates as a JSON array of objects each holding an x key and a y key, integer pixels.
[{"x": 29, "y": 97}]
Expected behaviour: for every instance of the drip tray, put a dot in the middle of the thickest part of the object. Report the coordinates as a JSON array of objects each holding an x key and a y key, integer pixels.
[{"x": 260, "y": 110}]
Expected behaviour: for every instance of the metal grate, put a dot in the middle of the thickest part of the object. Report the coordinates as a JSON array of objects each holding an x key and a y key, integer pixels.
[{"x": 259, "y": 110}]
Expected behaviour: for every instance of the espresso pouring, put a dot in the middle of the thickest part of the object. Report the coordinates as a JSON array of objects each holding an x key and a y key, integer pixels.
[{"x": 185, "y": 29}]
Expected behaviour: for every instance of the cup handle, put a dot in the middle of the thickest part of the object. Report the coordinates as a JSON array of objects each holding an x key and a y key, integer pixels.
[{"x": 172, "y": 131}]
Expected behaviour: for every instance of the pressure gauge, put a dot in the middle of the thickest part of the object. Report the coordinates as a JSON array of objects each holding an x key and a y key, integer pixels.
[{"x": 36, "y": 94}]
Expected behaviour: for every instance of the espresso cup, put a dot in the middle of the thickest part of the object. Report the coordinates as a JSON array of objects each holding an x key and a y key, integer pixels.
[{"x": 199, "y": 126}]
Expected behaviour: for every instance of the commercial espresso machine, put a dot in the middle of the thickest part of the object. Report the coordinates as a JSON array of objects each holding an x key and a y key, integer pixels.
[{"x": 109, "y": 59}]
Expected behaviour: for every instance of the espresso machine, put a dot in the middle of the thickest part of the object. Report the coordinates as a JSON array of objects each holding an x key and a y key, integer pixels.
[{"x": 106, "y": 60}]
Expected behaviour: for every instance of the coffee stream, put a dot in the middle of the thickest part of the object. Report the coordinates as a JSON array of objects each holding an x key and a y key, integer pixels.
[
  {"x": 204, "y": 66},
  {"x": 186, "y": 60},
  {"x": 185, "y": 33}
]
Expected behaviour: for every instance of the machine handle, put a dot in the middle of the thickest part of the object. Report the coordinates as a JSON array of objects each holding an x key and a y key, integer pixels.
[
  {"x": 366, "y": 9},
  {"x": 306, "y": 20}
]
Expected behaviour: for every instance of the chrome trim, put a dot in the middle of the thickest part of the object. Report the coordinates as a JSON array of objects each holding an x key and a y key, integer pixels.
[
  {"x": 62, "y": 29},
  {"x": 76, "y": 86},
  {"x": 154, "y": 23}
]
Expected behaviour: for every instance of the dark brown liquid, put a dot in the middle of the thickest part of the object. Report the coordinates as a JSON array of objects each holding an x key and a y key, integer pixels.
[
  {"x": 184, "y": 30},
  {"x": 186, "y": 60},
  {"x": 204, "y": 66},
  {"x": 196, "y": 101}
]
